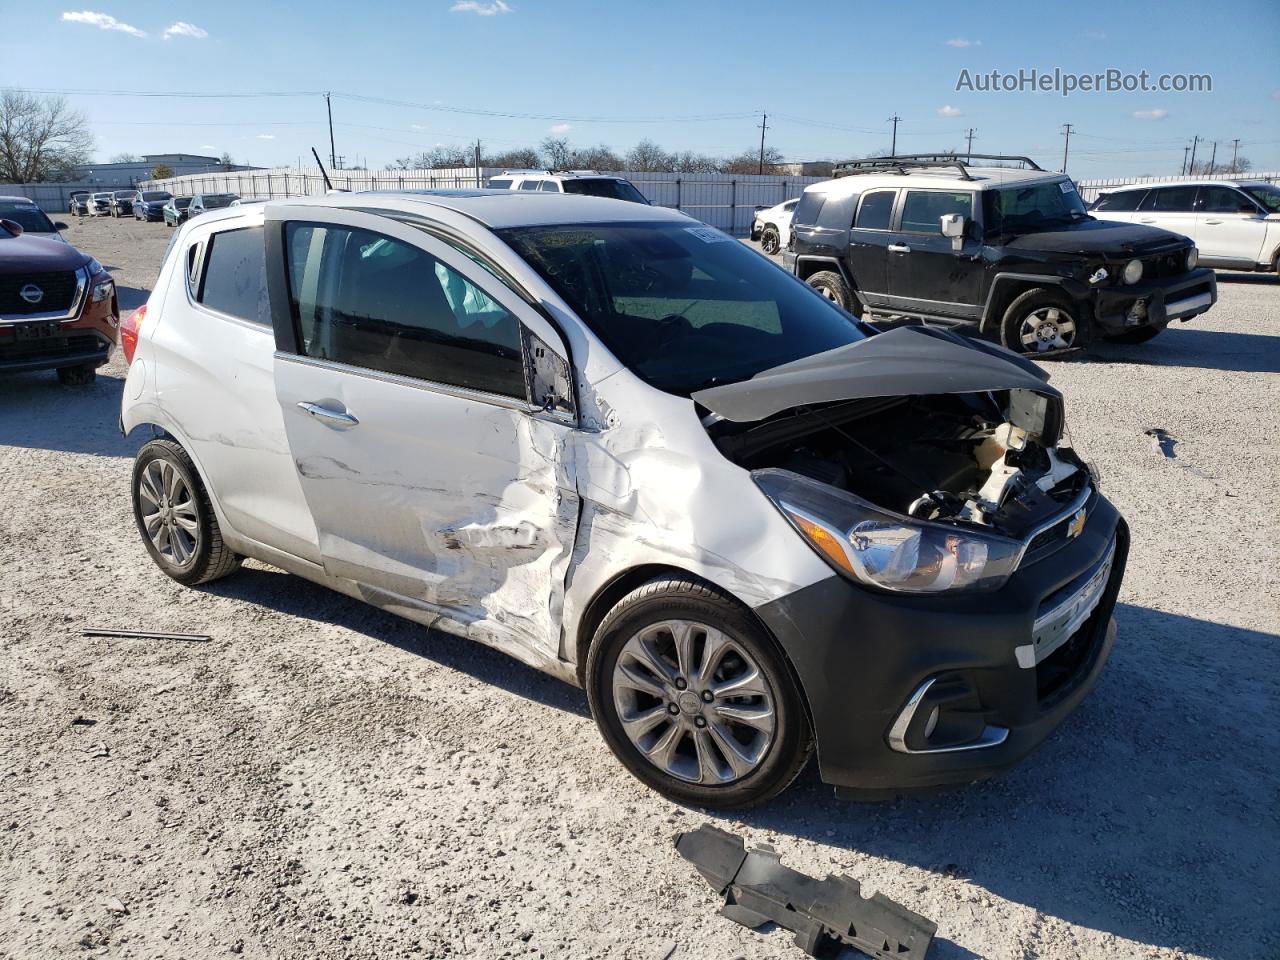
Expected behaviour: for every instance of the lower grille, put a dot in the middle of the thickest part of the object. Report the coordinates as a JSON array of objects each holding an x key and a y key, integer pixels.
[
  {"x": 1166, "y": 265},
  {"x": 57, "y": 293},
  {"x": 50, "y": 347},
  {"x": 1058, "y": 673}
]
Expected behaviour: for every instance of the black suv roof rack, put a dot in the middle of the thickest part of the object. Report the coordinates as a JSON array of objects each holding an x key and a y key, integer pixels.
[{"x": 903, "y": 162}]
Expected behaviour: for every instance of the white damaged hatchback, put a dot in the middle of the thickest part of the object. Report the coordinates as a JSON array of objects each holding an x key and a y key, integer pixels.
[{"x": 629, "y": 451}]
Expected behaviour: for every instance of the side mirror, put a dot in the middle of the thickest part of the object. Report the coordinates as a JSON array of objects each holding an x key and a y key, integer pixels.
[
  {"x": 59, "y": 225},
  {"x": 953, "y": 226}
]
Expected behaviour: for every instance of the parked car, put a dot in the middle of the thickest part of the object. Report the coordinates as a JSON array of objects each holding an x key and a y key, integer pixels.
[
  {"x": 625, "y": 449},
  {"x": 79, "y": 202},
  {"x": 586, "y": 182},
  {"x": 34, "y": 221},
  {"x": 58, "y": 308},
  {"x": 100, "y": 204},
  {"x": 1234, "y": 223},
  {"x": 176, "y": 211},
  {"x": 210, "y": 201},
  {"x": 772, "y": 226},
  {"x": 149, "y": 204},
  {"x": 1009, "y": 251},
  {"x": 122, "y": 202},
  {"x": 241, "y": 201}
]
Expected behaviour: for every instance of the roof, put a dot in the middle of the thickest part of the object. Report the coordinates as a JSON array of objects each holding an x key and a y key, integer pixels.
[
  {"x": 981, "y": 178},
  {"x": 497, "y": 209},
  {"x": 1206, "y": 182},
  {"x": 18, "y": 200}
]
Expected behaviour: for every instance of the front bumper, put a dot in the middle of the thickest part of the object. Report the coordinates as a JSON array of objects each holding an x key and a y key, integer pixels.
[
  {"x": 85, "y": 339},
  {"x": 1162, "y": 300},
  {"x": 863, "y": 655}
]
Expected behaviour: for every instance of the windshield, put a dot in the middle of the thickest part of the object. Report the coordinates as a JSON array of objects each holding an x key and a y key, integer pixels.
[
  {"x": 605, "y": 187},
  {"x": 1023, "y": 209},
  {"x": 1266, "y": 194},
  {"x": 32, "y": 218},
  {"x": 214, "y": 200},
  {"x": 684, "y": 307},
  {"x": 153, "y": 196},
  {"x": 182, "y": 202},
  {"x": 123, "y": 194}
]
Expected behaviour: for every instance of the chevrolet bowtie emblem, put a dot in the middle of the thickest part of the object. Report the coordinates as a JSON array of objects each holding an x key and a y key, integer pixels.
[{"x": 1076, "y": 525}]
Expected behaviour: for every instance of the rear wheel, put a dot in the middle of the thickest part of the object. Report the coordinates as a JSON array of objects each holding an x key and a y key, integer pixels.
[
  {"x": 770, "y": 242},
  {"x": 1040, "y": 321},
  {"x": 1137, "y": 335},
  {"x": 694, "y": 697},
  {"x": 78, "y": 376},
  {"x": 175, "y": 518},
  {"x": 832, "y": 286}
]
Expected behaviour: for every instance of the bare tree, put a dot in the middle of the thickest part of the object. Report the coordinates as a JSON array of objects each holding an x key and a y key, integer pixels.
[
  {"x": 521, "y": 157},
  {"x": 226, "y": 161},
  {"x": 648, "y": 157},
  {"x": 749, "y": 161},
  {"x": 124, "y": 158},
  {"x": 41, "y": 138},
  {"x": 555, "y": 150},
  {"x": 599, "y": 157},
  {"x": 690, "y": 162}
]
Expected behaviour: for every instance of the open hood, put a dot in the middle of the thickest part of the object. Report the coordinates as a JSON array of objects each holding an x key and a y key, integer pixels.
[{"x": 906, "y": 361}]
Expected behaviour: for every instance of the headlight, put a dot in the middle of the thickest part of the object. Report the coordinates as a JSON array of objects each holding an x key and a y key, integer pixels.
[
  {"x": 884, "y": 549},
  {"x": 1132, "y": 271},
  {"x": 1193, "y": 258}
]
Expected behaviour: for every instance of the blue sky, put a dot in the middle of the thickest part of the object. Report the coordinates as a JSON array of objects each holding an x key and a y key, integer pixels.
[{"x": 829, "y": 76}]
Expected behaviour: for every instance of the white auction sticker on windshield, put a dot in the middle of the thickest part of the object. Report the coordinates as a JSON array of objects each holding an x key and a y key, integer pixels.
[
  {"x": 1066, "y": 186},
  {"x": 708, "y": 235}
]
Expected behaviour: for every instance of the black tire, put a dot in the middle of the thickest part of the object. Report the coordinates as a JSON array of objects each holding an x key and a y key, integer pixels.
[
  {"x": 770, "y": 241},
  {"x": 1058, "y": 311},
  {"x": 210, "y": 558},
  {"x": 832, "y": 286},
  {"x": 682, "y": 598},
  {"x": 78, "y": 376},
  {"x": 1136, "y": 335}
]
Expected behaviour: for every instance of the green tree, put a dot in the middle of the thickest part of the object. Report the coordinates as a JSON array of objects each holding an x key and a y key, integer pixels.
[{"x": 162, "y": 171}]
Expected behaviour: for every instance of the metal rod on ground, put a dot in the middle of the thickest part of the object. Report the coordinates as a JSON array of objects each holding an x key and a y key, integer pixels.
[{"x": 146, "y": 635}]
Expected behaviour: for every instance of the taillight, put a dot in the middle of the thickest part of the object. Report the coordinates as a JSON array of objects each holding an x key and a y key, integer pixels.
[{"x": 129, "y": 328}]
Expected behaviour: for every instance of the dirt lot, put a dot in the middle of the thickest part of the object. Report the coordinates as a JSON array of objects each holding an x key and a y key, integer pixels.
[{"x": 324, "y": 780}]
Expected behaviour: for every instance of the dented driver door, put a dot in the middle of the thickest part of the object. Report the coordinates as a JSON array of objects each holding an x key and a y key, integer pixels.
[{"x": 405, "y": 384}]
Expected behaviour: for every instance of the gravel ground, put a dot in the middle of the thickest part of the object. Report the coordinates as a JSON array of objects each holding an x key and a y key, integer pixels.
[{"x": 325, "y": 780}]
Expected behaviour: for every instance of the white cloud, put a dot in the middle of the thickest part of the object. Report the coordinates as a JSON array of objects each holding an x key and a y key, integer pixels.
[
  {"x": 561, "y": 127},
  {"x": 481, "y": 9},
  {"x": 103, "y": 21},
  {"x": 183, "y": 29},
  {"x": 265, "y": 136},
  {"x": 1159, "y": 113},
  {"x": 207, "y": 146},
  {"x": 962, "y": 42},
  {"x": 950, "y": 111}
]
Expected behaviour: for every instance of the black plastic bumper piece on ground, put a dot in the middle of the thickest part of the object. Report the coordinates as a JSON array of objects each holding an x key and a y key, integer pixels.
[{"x": 824, "y": 914}]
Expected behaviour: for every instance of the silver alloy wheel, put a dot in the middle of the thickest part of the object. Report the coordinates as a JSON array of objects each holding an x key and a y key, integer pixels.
[
  {"x": 169, "y": 512},
  {"x": 828, "y": 293},
  {"x": 694, "y": 702},
  {"x": 1048, "y": 328}
]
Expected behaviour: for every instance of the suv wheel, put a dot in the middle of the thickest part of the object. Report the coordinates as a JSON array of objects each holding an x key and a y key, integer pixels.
[
  {"x": 1041, "y": 320},
  {"x": 832, "y": 286},
  {"x": 175, "y": 518},
  {"x": 694, "y": 697},
  {"x": 770, "y": 242},
  {"x": 78, "y": 376}
]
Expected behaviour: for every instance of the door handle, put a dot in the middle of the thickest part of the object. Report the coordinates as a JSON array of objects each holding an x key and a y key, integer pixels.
[
  {"x": 1147, "y": 220},
  {"x": 899, "y": 248},
  {"x": 1213, "y": 221},
  {"x": 338, "y": 417}
]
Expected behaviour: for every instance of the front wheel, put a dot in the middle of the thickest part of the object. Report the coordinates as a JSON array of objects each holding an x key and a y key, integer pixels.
[
  {"x": 770, "y": 242},
  {"x": 832, "y": 286},
  {"x": 694, "y": 697},
  {"x": 1040, "y": 321},
  {"x": 175, "y": 518}
]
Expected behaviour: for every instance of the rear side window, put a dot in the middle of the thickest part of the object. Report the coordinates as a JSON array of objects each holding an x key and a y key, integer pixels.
[
  {"x": 808, "y": 207},
  {"x": 550, "y": 186},
  {"x": 372, "y": 301},
  {"x": 1170, "y": 200},
  {"x": 875, "y": 210},
  {"x": 500, "y": 183},
  {"x": 1222, "y": 200},
  {"x": 1126, "y": 201},
  {"x": 837, "y": 213},
  {"x": 530, "y": 185},
  {"x": 233, "y": 281}
]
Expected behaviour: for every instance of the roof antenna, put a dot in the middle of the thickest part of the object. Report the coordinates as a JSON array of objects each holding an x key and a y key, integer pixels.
[{"x": 327, "y": 183}]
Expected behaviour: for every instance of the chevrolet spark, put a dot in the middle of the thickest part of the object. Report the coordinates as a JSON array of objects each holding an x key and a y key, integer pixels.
[{"x": 629, "y": 451}]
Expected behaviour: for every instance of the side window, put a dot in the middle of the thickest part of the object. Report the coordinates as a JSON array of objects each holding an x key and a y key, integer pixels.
[
  {"x": 1126, "y": 201},
  {"x": 234, "y": 280},
  {"x": 530, "y": 185},
  {"x": 371, "y": 301},
  {"x": 500, "y": 183},
  {"x": 1170, "y": 200},
  {"x": 550, "y": 186},
  {"x": 1221, "y": 200},
  {"x": 808, "y": 207},
  {"x": 923, "y": 208},
  {"x": 875, "y": 210}
]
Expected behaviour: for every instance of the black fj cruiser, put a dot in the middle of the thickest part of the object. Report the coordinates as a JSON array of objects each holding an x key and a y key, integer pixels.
[{"x": 939, "y": 239}]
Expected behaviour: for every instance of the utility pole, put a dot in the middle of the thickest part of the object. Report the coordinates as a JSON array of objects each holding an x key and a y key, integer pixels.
[
  {"x": 1213, "y": 160},
  {"x": 969, "y": 137},
  {"x": 477, "y": 159},
  {"x": 1235, "y": 154},
  {"x": 329, "y": 107},
  {"x": 764, "y": 125},
  {"x": 1066, "y": 132},
  {"x": 895, "y": 120},
  {"x": 1185, "y": 151},
  {"x": 1191, "y": 168}
]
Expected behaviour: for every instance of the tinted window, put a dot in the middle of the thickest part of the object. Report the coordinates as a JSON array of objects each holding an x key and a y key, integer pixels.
[
  {"x": 530, "y": 185},
  {"x": 1222, "y": 200},
  {"x": 613, "y": 189},
  {"x": 682, "y": 306},
  {"x": 182, "y": 202},
  {"x": 154, "y": 196},
  {"x": 875, "y": 210},
  {"x": 371, "y": 301},
  {"x": 31, "y": 218},
  {"x": 1171, "y": 200},
  {"x": 837, "y": 213},
  {"x": 549, "y": 186},
  {"x": 808, "y": 207},
  {"x": 1125, "y": 201},
  {"x": 1013, "y": 210},
  {"x": 923, "y": 208},
  {"x": 500, "y": 183},
  {"x": 234, "y": 281},
  {"x": 1266, "y": 194}
]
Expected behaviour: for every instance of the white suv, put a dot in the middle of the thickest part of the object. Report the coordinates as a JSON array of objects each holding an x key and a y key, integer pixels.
[
  {"x": 585, "y": 182},
  {"x": 1235, "y": 223},
  {"x": 624, "y": 448}
]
